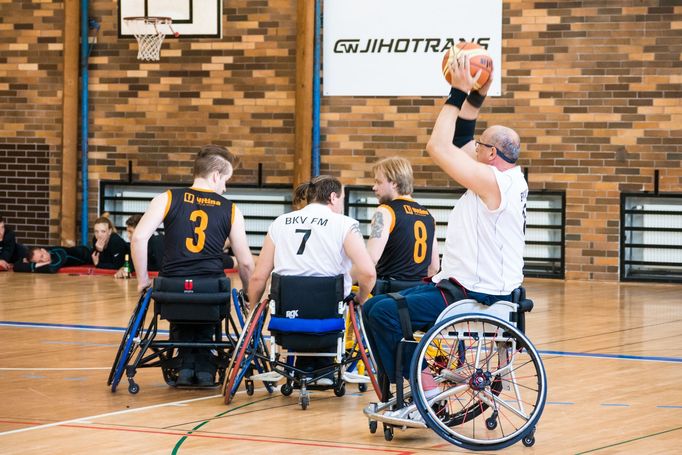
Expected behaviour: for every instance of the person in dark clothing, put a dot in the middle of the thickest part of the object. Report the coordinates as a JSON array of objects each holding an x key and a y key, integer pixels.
[
  {"x": 198, "y": 221},
  {"x": 154, "y": 252},
  {"x": 53, "y": 258},
  {"x": 108, "y": 248},
  {"x": 10, "y": 250},
  {"x": 402, "y": 242}
]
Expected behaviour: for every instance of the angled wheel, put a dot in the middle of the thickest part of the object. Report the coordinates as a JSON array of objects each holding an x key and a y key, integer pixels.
[
  {"x": 491, "y": 381},
  {"x": 245, "y": 350},
  {"x": 126, "y": 348},
  {"x": 363, "y": 348}
]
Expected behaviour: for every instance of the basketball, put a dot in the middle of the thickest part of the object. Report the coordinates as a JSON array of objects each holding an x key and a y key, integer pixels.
[{"x": 479, "y": 59}]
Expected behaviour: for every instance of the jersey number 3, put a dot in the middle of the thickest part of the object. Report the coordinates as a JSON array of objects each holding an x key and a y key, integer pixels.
[{"x": 198, "y": 230}]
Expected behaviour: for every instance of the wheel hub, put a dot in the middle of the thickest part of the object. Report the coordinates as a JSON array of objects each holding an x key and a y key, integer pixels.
[{"x": 480, "y": 380}]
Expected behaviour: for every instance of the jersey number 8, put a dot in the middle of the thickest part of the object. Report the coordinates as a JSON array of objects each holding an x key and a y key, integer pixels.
[{"x": 420, "y": 246}]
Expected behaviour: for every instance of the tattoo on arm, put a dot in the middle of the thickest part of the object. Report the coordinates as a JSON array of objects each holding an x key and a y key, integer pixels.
[
  {"x": 355, "y": 229},
  {"x": 377, "y": 225}
]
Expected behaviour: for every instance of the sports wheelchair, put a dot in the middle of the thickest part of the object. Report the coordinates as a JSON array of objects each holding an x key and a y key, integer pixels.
[
  {"x": 307, "y": 320},
  {"x": 203, "y": 301},
  {"x": 492, "y": 385}
]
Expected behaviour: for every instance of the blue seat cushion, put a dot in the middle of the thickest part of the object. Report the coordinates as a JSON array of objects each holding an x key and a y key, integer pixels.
[{"x": 298, "y": 325}]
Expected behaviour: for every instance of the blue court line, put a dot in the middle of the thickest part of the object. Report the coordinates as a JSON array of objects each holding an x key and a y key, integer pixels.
[
  {"x": 613, "y": 356},
  {"x": 669, "y": 407},
  {"x": 87, "y": 328},
  {"x": 99, "y": 328}
]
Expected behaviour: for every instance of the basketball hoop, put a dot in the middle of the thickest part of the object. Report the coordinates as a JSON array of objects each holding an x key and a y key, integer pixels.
[{"x": 149, "y": 32}]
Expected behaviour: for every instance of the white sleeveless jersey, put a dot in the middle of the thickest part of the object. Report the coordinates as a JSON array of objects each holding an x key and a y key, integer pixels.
[
  {"x": 309, "y": 242},
  {"x": 484, "y": 248}
]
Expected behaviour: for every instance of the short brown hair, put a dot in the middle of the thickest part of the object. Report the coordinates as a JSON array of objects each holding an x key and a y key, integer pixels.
[
  {"x": 213, "y": 158},
  {"x": 319, "y": 189},
  {"x": 397, "y": 170},
  {"x": 133, "y": 220},
  {"x": 31, "y": 251}
]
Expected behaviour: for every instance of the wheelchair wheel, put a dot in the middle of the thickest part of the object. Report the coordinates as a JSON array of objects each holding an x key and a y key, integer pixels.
[
  {"x": 363, "y": 348},
  {"x": 126, "y": 348},
  {"x": 244, "y": 350},
  {"x": 492, "y": 383}
]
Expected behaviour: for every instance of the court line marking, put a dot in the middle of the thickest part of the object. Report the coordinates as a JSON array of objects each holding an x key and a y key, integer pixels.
[
  {"x": 613, "y": 356},
  {"x": 123, "y": 411},
  {"x": 55, "y": 369},
  {"x": 82, "y": 327},
  {"x": 94, "y": 328},
  {"x": 287, "y": 441},
  {"x": 228, "y": 437},
  {"x": 629, "y": 440}
]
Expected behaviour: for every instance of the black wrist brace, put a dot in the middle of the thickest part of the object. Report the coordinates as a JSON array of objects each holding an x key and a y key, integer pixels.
[
  {"x": 456, "y": 98},
  {"x": 475, "y": 99}
]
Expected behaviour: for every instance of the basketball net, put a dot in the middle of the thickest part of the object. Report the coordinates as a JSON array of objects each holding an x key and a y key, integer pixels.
[{"x": 149, "y": 35}]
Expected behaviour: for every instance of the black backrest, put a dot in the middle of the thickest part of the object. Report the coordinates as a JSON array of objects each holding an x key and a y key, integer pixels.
[
  {"x": 313, "y": 297},
  {"x": 192, "y": 299},
  {"x": 525, "y": 305}
]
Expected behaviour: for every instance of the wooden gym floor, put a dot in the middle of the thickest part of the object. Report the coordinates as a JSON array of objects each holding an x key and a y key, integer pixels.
[{"x": 611, "y": 350}]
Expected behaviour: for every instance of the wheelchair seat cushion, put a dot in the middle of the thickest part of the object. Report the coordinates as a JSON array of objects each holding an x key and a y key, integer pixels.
[
  {"x": 191, "y": 299},
  {"x": 306, "y": 326}
]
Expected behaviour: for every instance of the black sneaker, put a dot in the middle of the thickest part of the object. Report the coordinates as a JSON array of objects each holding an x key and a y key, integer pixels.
[
  {"x": 205, "y": 379},
  {"x": 185, "y": 377}
]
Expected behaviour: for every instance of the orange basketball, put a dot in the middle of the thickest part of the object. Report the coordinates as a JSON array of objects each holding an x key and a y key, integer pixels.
[{"x": 479, "y": 59}]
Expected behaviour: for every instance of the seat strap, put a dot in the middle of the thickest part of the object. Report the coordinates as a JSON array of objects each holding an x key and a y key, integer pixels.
[{"x": 404, "y": 315}]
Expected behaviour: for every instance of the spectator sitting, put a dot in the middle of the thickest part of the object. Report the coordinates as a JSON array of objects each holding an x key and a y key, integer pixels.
[
  {"x": 10, "y": 251},
  {"x": 154, "y": 251},
  {"x": 51, "y": 259},
  {"x": 109, "y": 249}
]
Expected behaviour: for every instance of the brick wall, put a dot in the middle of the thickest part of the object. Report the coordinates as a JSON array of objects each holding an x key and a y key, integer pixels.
[
  {"x": 24, "y": 188},
  {"x": 593, "y": 87},
  {"x": 30, "y": 117}
]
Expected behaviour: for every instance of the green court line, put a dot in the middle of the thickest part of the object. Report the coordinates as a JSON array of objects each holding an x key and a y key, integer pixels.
[
  {"x": 630, "y": 440},
  {"x": 182, "y": 439}
]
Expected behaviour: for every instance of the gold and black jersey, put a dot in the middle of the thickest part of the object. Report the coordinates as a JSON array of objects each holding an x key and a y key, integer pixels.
[
  {"x": 407, "y": 254},
  {"x": 197, "y": 223}
]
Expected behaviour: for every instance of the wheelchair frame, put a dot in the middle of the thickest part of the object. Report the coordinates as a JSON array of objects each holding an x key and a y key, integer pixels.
[
  {"x": 487, "y": 371},
  {"x": 137, "y": 341},
  {"x": 253, "y": 352}
]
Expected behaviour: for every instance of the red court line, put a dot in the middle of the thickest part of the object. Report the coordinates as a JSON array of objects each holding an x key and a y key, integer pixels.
[{"x": 215, "y": 436}]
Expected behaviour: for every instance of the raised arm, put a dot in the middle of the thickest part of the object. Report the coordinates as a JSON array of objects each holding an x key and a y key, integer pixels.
[{"x": 455, "y": 161}]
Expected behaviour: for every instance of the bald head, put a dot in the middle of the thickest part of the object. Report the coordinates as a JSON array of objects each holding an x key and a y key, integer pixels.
[{"x": 506, "y": 140}]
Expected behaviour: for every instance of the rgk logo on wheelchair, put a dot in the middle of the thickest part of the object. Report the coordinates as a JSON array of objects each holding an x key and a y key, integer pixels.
[{"x": 189, "y": 287}]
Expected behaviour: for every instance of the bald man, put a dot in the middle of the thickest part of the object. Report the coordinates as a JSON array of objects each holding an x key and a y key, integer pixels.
[{"x": 484, "y": 244}]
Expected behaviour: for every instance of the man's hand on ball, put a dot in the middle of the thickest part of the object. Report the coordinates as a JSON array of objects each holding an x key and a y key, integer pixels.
[
  {"x": 485, "y": 87},
  {"x": 461, "y": 74}
]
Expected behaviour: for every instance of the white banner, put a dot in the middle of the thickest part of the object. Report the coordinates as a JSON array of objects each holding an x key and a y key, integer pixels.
[{"x": 395, "y": 47}]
